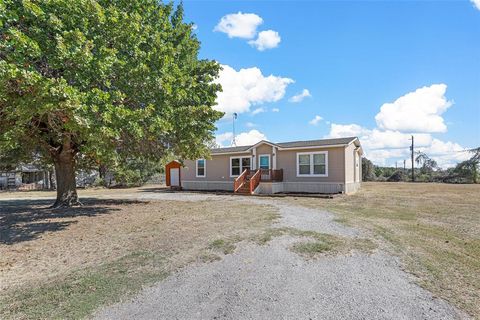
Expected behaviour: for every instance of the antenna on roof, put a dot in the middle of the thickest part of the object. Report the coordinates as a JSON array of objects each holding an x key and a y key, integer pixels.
[{"x": 234, "y": 143}]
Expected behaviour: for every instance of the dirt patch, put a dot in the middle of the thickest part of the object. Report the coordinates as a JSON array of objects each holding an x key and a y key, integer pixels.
[{"x": 44, "y": 250}]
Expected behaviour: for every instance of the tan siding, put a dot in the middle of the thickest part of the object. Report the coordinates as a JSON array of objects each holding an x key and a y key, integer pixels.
[
  {"x": 218, "y": 168},
  {"x": 287, "y": 160},
  {"x": 350, "y": 163},
  {"x": 264, "y": 149}
]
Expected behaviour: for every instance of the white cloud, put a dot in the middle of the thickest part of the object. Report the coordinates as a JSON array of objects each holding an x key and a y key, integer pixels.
[
  {"x": 250, "y": 124},
  {"x": 418, "y": 111},
  {"x": 397, "y": 121},
  {"x": 240, "y": 25},
  {"x": 476, "y": 3},
  {"x": 257, "y": 111},
  {"x": 275, "y": 110},
  {"x": 299, "y": 97},
  {"x": 383, "y": 147},
  {"x": 250, "y": 137},
  {"x": 387, "y": 157},
  {"x": 243, "y": 139},
  {"x": 315, "y": 120},
  {"x": 447, "y": 154},
  {"x": 224, "y": 139},
  {"x": 268, "y": 39},
  {"x": 378, "y": 139},
  {"x": 247, "y": 87},
  {"x": 346, "y": 130}
]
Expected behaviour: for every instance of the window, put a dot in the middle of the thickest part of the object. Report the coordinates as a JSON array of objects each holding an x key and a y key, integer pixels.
[
  {"x": 201, "y": 168},
  {"x": 235, "y": 167},
  {"x": 264, "y": 161},
  {"x": 319, "y": 166},
  {"x": 245, "y": 164},
  {"x": 312, "y": 164},
  {"x": 238, "y": 165}
]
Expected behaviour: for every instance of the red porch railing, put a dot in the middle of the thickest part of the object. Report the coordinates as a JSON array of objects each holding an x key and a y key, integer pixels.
[
  {"x": 247, "y": 183},
  {"x": 255, "y": 181},
  {"x": 272, "y": 175},
  {"x": 240, "y": 180}
]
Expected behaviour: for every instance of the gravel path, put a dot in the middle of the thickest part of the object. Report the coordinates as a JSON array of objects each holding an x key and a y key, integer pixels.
[{"x": 271, "y": 282}]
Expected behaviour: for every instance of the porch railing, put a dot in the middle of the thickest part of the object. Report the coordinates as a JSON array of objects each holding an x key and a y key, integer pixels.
[
  {"x": 273, "y": 175},
  {"x": 252, "y": 178},
  {"x": 240, "y": 180},
  {"x": 255, "y": 181}
]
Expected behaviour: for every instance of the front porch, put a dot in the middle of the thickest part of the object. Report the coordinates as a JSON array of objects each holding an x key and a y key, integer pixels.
[{"x": 249, "y": 181}]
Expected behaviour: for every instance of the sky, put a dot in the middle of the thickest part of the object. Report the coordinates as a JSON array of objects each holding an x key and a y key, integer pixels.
[{"x": 382, "y": 71}]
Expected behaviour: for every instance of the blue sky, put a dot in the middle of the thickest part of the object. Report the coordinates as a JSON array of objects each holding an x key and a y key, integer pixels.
[{"x": 419, "y": 60}]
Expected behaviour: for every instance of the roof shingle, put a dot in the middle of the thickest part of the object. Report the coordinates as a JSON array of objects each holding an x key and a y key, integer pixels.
[{"x": 291, "y": 144}]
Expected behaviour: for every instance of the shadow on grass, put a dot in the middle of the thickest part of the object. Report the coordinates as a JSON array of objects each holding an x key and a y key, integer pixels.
[
  {"x": 25, "y": 219},
  {"x": 158, "y": 189}
]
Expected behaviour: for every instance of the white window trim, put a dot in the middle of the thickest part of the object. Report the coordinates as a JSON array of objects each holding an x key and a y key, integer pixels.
[
  {"x": 311, "y": 164},
  {"x": 241, "y": 166},
  {"x": 204, "y": 168},
  {"x": 269, "y": 160}
]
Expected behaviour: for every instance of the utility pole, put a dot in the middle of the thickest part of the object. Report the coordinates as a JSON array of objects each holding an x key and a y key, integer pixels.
[
  {"x": 404, "y": 166},
  {"x": 234, "y": 143},
  {"x": 413, "y": 163}
]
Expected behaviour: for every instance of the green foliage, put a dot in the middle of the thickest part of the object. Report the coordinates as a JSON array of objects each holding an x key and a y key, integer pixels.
[
  {"x": 383, "y": 173},
  {"x": 368, "y": 170},
  {"x": 428, "y": 165},
  {"x": 108, "y": 79},
  {"x": 135, "y": 172},
  {"x": 397, "y": 176},
  {"x": 467, "y": 170}
]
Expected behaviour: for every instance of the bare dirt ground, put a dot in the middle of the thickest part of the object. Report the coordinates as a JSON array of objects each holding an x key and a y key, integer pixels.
[
  {"x": 50, "y": 252},
  {"x": 218, "y": 256}
]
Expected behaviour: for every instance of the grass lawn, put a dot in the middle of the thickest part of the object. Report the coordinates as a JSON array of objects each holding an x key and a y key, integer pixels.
[
  {"x": 434, "y": 228},
  {"x": 66, "y": 263}
]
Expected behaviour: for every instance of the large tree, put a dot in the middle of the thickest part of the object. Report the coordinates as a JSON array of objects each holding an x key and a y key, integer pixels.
[{"x": 98, "y": 81}]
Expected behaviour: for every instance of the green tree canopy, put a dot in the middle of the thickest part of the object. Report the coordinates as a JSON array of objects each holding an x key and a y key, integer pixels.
[
  {"x": 368, "y": 170},
  {"x": 97, "y": 81}
]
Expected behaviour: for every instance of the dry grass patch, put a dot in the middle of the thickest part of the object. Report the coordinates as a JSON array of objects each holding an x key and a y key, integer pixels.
[
  {"x": 65, "y": 263},
  {"x": 316, "y": 243},
  {"x": 434, "y": 228}
]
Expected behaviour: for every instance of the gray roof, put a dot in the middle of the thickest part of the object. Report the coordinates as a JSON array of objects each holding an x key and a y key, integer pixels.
[
  {"x": 311, "y": 143},
  {"x": 229, "y": 149},
  {"x": 292, "y": 144}
]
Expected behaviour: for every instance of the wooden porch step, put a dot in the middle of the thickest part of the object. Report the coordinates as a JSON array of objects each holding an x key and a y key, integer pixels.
[{"x": 245, "y": 189}]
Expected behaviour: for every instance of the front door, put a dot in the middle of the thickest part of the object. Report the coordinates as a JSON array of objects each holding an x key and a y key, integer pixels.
[
  {"x": 264, "y": 161},
  {"x": 264, "y": 165}
]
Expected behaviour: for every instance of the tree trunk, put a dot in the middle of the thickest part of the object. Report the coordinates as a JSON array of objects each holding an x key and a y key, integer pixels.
[{"x": 65, "y": 179}]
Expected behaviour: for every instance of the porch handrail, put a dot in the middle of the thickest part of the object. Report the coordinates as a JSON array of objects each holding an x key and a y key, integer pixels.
[
  {"x": 275, "y": 175},
  {"x": 240, "y": 180},
  {"x": 255, "y": 180}
]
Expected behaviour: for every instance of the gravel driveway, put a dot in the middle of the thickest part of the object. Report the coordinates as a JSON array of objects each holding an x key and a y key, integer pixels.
[{"x": 271, "y": 282}]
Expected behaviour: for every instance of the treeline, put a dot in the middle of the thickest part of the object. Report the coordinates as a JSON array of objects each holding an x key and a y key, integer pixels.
[{"x": 426, "y": 170}]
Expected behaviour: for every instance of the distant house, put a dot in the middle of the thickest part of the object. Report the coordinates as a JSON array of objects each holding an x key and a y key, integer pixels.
[
  {"x": 316, "y": 166},
  {"x": 25, "y": 177}
]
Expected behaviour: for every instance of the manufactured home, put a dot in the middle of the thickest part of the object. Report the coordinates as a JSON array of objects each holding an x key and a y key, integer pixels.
[{"x": 315, "y": 166}]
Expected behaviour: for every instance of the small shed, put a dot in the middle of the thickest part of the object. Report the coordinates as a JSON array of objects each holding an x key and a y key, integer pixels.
[{"x": 172, "y": 174}]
